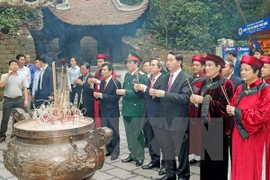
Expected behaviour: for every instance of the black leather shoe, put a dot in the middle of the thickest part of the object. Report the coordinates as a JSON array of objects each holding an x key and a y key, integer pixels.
[
  {"x": 114, "y": 157},
  {"x": 2, "y": 139},
  {"x": 183, "y": 179},
  {"x": 107, "y": 154},
  {"x": 139, "y": 162},
  {"x": 129, "y": 159},
  {"x": 167, "y": 178},
  {"x": 162, "y": 171},
  {"x": 150, "y": 166},
  {"x": 193, "y": 161}
]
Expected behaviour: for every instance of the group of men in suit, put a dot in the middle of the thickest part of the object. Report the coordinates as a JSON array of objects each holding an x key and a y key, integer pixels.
[
  {"x": 160, "y": 103},
  {"x": 90, "y": 90},
  {"x": 42, "y": 91},
  {"x": 156, "y": 108},
  {"x": 151, "y": 102}
]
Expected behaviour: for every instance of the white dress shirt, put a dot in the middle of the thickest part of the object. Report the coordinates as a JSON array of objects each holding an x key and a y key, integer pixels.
[
  {"x": 25, "y": 71},
  {"x": 174, "y": 76}
]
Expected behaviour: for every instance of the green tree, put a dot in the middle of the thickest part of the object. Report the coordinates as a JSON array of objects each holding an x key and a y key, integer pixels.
[
  {"x": 13, "y": 18},
  {"x": 197, "y": 24},
  {"x": 185, "y": 21}
]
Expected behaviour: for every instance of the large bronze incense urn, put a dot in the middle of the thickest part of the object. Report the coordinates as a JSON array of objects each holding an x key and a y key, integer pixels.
[{"x": 70, "y": 153}]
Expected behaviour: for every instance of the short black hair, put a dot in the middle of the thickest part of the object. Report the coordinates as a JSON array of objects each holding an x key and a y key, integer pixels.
[
  {"x": 231, "y": 64},
  {"x": 177, "y": 55},
  {"x": 11, "y": 61},
  {"x": 232, "y": 52},
  {"x": 74, "y": 59},
  {"x": 19, "y": 56},
  {"x": 41, "y": 59},
  {"x": 110, "y": 67},
  {"x": 86, "y": 64},
  {"x": 254, "y": 68},
  {"x": 216, "y": 64},
  {"x": 146, "y": 62}
]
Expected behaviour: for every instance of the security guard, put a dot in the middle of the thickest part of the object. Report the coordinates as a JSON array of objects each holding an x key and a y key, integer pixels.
[{"x": 132, "y": 109}]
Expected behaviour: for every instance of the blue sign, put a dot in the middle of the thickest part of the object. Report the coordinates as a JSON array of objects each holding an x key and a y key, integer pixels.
[
  {"x": 254, "y": 27},
  {"x": 226, "y": 50},
  {"x": 242, "y": 51}
]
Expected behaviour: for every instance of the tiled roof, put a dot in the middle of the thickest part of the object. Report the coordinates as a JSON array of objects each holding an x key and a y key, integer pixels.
[{"x": 97, "y": 12}]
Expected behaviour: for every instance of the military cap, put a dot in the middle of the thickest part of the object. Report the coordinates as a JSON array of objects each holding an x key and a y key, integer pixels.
[{"x": 132, "y": 55}]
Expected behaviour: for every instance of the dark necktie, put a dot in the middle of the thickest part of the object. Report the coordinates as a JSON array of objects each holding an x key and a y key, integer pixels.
[{"x": 105, "y": 84}]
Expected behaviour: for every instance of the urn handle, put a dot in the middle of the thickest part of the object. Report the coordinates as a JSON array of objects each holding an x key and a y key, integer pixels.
[
  {"x": 75, "y": 147},
  {"x": 99, "y": 137}
]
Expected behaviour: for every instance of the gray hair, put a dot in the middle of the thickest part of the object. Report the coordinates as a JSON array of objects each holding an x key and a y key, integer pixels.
[
  {"x": 160, "y": 64},
  {"x": 231, "y": 64}
]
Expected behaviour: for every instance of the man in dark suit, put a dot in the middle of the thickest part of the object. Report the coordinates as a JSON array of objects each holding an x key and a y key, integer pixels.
[
  {"x": 236, "y": 63},
  {"x": 227, "y": 72},
  {"x": 174, "y": 93},
  {"x": 44, "y": 92},
  {"x": 109, "y": 108},
  {"x": 151, "y": 113},
  {"x": 85, "y": 91}
]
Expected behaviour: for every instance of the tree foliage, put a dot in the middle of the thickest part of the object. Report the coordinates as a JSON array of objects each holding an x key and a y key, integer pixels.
[
  {"x": 181, "y": 24},
  {"x": 197, "y": 24},
  {"x": 12, "y": 19}
]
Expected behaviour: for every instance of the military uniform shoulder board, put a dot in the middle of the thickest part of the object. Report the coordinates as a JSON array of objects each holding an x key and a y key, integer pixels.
[{"x": 141, "y": 73}]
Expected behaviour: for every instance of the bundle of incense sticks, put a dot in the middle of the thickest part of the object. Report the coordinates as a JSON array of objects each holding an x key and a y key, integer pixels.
[
  {"x": 191, "y": 90},
  {"x": 225, "y": 94},
  {"x": 60, "y": 95}
]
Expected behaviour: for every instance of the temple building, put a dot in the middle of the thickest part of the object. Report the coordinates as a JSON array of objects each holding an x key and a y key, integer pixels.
[{"x": 106, "y": 21}]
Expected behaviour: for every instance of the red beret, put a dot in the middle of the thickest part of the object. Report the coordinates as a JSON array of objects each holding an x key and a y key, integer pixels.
[
  {"x": 198, "y": 58},
  {"x": 265, "y": 59},
  {"x": 212, "y": 57},
  {"x": 252, "y": 61},
  {"x": 103, "y": 56}
]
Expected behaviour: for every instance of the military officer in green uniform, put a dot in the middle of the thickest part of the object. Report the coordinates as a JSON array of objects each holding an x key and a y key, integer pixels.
[{"x": 132, "y": 109}]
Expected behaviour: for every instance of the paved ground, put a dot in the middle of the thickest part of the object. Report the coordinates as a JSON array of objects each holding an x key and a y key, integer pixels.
[{"x": 112, "y": 170}]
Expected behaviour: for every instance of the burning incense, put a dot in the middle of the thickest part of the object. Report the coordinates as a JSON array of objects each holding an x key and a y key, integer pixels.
[
  {"x": 54, "y": 83},
  {"x": 61, "y": 79}
]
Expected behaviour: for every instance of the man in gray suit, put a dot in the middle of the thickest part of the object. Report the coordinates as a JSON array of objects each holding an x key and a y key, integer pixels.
[{"x": 174, "y": 93}]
